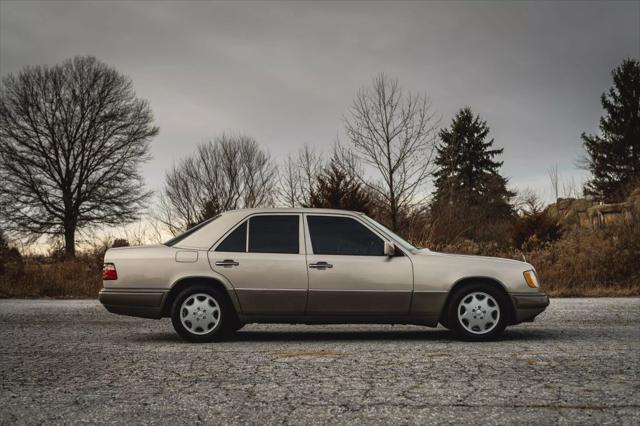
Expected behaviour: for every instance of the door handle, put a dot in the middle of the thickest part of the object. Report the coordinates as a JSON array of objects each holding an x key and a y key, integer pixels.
[
  {"x": 320, "y": 265},
  {"x": 227, "y": 263}
]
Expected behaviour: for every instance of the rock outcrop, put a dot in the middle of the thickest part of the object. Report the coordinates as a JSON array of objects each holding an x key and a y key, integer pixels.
[{"x": 589, "y": 213}]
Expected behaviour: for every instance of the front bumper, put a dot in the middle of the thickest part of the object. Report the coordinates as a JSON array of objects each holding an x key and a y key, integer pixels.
[
  {"x": 528, "y": 306},
  {"x": 136, "y": 303}
]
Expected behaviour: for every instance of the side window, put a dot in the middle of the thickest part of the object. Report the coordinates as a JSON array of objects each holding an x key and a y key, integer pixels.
[
  {"x": 274, "y": 234},
  {"x": 235, "y": 241},
  {"x": 343, "y": 236}
]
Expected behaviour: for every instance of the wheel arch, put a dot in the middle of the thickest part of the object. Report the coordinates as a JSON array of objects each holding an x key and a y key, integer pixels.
[
  {"x": 186, "y": 282},
  {"x": 495, "y": 283}
]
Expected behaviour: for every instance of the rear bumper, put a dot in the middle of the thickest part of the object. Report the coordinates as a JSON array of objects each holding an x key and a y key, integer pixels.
[
  {"x": 528, "y": 306},
  {"x": 136, "y": 303}
]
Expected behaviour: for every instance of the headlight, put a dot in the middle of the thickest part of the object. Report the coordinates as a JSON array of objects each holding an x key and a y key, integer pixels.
[{"x": 531, "y": 279}]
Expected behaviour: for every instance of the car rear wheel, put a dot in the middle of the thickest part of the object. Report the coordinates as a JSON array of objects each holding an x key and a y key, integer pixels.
[
  {"x": 202, "y": 314},
  {"x": 478, "y": 312}
]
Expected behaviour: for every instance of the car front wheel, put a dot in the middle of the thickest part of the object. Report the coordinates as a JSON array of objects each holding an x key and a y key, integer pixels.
[
  {"x": 478, "y": 312},
  {"x": 201, "y": 314}
]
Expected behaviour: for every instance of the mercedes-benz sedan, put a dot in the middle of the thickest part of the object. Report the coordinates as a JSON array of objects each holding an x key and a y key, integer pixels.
[{"x": 313, "y": 266}]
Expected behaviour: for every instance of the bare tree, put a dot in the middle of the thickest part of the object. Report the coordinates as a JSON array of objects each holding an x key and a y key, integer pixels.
[
  {"x": 72, "y": 138},
  {"x": 289, "y": 191},
  {"x": 554, "y": 178},
  {"x": 227, "y": 173},
  {"x": 311, "y": 165},
  {"x": 570, "y": 188},
  {"x": 394, "y": 134},
  {"x": 298, "y": 176},
  {"x": 528, "y": 202}
]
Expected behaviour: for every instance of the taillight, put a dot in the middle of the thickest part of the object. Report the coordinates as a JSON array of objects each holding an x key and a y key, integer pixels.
[{"x": 109, "y": 271}]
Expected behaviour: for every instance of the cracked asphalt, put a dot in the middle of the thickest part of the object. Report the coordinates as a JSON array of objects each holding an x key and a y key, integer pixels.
[{"x": 71, "y": 361}]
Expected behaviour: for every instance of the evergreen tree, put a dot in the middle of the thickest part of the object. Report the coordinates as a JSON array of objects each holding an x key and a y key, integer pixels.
[
  {"x": 335, "y": 188},
  {"x": 470, "y": 191},
  {"x": 614, "y": 154}
]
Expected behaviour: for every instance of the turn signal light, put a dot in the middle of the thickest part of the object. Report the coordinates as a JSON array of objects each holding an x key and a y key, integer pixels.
[
  {"x": 531, "y": 279},
  {"x": 109, "y": 271}
]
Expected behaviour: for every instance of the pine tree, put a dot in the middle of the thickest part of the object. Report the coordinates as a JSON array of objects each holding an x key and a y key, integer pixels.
[
  {"x": 336, "y": 189},
  {"x": 614, "y": 154},
  {"x": 470, "y": 192}
]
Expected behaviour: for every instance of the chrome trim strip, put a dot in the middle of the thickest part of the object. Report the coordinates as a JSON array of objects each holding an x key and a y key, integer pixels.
[
  {"x": 328, "y": 289},
  {"x": 362, "y": 291},
  {"x": 270, "y": 289}
]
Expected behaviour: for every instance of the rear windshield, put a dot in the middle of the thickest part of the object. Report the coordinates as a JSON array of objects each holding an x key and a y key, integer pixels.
[{"x": 175, "y": 240}]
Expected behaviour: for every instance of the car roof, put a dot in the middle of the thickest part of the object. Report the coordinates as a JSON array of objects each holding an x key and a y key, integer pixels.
[
  {"x": 212, "y": 231},
  {"x": 291, "y": 210}
]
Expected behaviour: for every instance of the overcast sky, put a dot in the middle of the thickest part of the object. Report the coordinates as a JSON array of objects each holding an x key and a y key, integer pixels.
[{"x": 285, "y": 73}]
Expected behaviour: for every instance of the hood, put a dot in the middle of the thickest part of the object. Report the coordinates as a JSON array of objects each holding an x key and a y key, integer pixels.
[{"x": 468, "y": 258}]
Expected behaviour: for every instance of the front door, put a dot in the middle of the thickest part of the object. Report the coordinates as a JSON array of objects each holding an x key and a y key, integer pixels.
[
  {"x": 264, "y": 260},
  {"x": 349, "y": 273}
]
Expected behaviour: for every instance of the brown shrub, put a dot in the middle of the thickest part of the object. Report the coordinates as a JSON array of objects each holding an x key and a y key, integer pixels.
[
  {"x": 538, "y": 226},
  {"x": 584, "y": 262},
  {"x": 600, "y": 262},
  {"x": 46, "y": 277},
  {"x": 120, "y": 242}
]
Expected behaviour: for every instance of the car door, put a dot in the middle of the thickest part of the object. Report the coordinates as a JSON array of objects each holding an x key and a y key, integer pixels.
[
  {"x": 348, "y": 271},
  {"x": 263, "y": 258}
]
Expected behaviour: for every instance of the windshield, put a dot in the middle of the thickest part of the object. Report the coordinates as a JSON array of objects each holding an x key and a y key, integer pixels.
[
  {"x": 403, "y": 243},
  {"x": 185, "y": 234}
]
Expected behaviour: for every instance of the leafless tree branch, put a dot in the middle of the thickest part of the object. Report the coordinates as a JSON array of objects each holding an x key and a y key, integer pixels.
[
  {"x": 395, "y": 135},
  {"x": 227, "y": 173},
  {"x": 72, "y": 138}
]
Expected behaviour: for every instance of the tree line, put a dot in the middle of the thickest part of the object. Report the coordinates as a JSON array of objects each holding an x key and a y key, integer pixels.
[{"x": 73, "y": 137}]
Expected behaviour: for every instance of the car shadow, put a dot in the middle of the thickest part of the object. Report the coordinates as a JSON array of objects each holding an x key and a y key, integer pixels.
[
  {"x": 339, "y": 335},
  {"x": 309, "y": 335}
]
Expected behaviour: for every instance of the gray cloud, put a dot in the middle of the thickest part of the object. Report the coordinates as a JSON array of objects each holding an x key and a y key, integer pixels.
[{"x": 285, "y": 73}]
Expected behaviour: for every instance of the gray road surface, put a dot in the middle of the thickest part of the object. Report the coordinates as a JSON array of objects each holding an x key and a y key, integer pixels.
[{"x": 71, "y": 361}]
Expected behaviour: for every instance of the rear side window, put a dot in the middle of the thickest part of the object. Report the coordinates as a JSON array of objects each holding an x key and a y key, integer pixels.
[
  {"x": 177, "y": 239},
  {"x": 333, "y": 235},
  {"x": 235, "y": 241},
  {"x": 274, "y": 234}
]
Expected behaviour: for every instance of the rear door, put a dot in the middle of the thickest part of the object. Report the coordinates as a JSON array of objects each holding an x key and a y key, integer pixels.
[
  {"x": 349, "y": 273},
  {"x": 263, "y": 258}
]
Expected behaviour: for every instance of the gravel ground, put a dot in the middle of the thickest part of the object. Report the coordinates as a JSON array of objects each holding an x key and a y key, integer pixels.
[{"x": 71, "y": 361}]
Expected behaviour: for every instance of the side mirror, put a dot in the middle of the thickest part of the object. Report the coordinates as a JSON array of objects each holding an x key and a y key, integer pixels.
[{"x": 389, "y": 249}]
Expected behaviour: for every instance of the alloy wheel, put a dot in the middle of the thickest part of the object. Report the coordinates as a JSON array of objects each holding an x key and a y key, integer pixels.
[
  {"x": 478, "y": 312},
  {"x": 200, "y": 313}
]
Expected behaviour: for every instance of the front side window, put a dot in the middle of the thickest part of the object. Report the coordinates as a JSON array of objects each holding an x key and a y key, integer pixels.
[
  {"x": 274, "y": 234},
  {"x": 398, "y": 239},
  {"x": 334, "y": 235},
  {"x": 236, "y": 241}
]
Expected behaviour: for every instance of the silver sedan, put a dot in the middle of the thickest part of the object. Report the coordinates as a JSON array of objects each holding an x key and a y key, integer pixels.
[{"x": 313, "y": 266}]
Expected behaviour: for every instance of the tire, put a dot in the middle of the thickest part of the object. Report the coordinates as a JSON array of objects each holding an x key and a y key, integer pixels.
[
  {"x": 237, "y": 326},
  {"x": 478, "y": 312},
  {"x": 445, "y": 322},
  {"x": 201, "y": 313}
]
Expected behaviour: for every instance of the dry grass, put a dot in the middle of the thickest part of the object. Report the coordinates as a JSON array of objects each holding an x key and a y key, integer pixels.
[
  {"x": 38, "y": 277},
  {"x": 594, "y": 263},
  {"x": 584, "y": 262}
]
